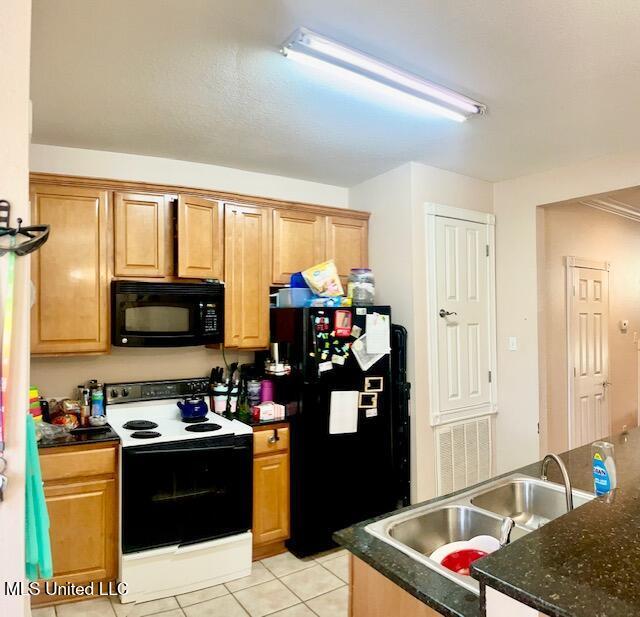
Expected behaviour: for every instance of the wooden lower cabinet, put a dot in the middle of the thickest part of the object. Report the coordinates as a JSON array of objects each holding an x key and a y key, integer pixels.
[
  {"x": 83, "y": 512},
  {"x": 270, "y": 490},
  {"x": 373, "y": 595}
]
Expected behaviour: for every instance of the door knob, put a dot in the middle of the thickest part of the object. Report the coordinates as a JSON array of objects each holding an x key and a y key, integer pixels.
[
  {"x": 444, "y": 313},
  {"x": 605, "y": 384}
]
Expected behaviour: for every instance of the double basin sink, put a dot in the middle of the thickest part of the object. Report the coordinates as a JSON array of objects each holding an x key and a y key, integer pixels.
[{"x": 478, "y": 511}]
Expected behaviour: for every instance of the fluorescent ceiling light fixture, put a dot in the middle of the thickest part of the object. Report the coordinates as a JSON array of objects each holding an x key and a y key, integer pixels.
[{"x": 313, "y": 48}]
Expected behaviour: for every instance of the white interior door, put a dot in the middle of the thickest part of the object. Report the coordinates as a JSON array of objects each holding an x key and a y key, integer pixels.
[
  {"x": 588, "y": 351},
  {"x": 463, "y": 317}
]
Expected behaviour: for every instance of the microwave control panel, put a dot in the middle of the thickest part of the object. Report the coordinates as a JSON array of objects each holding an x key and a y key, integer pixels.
[{"x": 210, "y": 321}]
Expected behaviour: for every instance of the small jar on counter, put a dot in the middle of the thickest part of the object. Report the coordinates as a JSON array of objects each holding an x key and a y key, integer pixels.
[{"x": 361, "y": 287}]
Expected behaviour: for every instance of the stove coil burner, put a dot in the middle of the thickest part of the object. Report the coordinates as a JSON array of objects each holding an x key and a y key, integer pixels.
[
  {"x": 207, "y": 427},
  {"x": 144, "y": 434},
  {"x": 139, "y": 425},
  {"x": 194, "y": 420}
]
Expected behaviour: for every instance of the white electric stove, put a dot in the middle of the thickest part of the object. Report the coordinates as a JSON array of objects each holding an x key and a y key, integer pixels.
[
  {"x": 152, "y": 422},
  {"x": 185, "y": 491}
]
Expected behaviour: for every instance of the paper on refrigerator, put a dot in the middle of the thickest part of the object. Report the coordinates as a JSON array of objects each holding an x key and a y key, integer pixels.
[
  {"x": 343, "y": 412},
  {"x": 365, "y": 359},
  {"x": 378, "y": 333}
]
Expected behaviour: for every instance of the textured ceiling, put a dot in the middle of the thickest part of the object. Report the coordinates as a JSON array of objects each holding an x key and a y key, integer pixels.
[{"x": 201, "y": 80}]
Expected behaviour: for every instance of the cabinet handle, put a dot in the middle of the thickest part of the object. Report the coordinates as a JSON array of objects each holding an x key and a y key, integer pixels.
[{"x": 275, "y": 437}]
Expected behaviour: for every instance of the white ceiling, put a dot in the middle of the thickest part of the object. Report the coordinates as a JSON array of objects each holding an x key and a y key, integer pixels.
[{"x": 201, "y": 80}]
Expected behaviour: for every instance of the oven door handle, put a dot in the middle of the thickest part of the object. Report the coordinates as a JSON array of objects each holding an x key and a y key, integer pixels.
[{"x": 183, "y": 451}]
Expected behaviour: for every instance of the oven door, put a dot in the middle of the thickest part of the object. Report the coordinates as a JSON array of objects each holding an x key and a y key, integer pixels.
[{"x": 186, "y": 491}]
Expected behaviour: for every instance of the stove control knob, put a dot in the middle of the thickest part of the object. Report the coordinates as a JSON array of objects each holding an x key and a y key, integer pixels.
[
  {"x": 125, "y": 392},
  {"x": 114, "y": 393}
]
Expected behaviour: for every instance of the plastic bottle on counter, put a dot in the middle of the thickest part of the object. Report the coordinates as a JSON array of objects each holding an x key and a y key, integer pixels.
[
  {"x": 604, "y": 467},
  {"x": 97, "y": 417},
  {"x": 84, "y": 394}
]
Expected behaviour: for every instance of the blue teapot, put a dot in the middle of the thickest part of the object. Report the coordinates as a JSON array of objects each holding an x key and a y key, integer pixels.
[{"x": 192, "y": 409}]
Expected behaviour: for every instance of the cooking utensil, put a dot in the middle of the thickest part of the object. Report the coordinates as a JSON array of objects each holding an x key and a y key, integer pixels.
[
  {"x": 233, "y": 367},
  {"x": 192, "y": 408}
]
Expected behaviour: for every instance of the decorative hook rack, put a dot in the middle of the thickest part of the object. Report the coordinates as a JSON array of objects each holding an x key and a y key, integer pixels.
[
  {"x": 22, "y": 240},
  {"x": 14, "y": 241}
]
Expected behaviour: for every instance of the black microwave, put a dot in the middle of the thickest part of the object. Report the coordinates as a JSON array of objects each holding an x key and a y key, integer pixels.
[{"x": 166, "y": 314}]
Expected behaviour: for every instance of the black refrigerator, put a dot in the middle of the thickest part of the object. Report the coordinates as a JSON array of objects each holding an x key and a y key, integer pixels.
[{"x": 340, "y": 478}]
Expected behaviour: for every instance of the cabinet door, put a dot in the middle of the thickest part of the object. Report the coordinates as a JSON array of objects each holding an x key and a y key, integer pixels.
[
  {"x": 247, "y": 232},
  {"x": 200, "y": 239},
  {"x": 143, "y": 238},
  {"x": 271, "y": 498},
  {"x": 298, "y": 243},
  {"x": 84, "y": 530},
  {"x": 347, "y": 243},
  {"x": 70, "y": 272}
]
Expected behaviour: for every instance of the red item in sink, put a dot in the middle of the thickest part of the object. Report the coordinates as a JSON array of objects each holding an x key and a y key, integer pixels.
[{"x": 460, "y": 561}]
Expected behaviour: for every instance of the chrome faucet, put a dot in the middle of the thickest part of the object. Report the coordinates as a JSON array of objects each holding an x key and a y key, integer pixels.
[
  {"x": 505, "y": 530},
  {"x": 565, "y": 476}
]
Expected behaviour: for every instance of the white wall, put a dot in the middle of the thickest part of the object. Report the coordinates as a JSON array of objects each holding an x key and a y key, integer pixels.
[
  {"x": 515, "y": 203},
  {"x": 15, "y": 17},
  {"x": 101, "y": 164},
  {"x": 396, "y": 246}
]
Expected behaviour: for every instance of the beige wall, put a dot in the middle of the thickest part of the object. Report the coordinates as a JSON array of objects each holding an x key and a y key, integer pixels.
[
  {"x": 58, "y": 377},
  {"x": 515, "y": 205},
  {"x": 580, "y": 231},
  {"x": 398, "y": 257},
  {"x": 101, "y": 164},
  {"x": 15, "y": 33}
]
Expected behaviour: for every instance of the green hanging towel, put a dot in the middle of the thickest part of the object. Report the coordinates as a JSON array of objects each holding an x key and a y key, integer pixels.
[{"x": 38, "y": 544}]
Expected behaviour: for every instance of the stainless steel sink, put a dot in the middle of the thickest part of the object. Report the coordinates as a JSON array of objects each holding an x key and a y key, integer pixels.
[
  {"x": 531, "y": 503},
  {"x": 430, "y": 530},
  {"x": 477, "y": 511}
]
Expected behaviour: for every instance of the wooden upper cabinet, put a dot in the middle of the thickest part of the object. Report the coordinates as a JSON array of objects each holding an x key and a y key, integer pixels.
[
  {"x": 247, "y": 231},
  {"x": 200, "y": 238},
  {"x": 143, "y": 235},
  {"x": 347, "y": 243},
  {"x": 71, "y": 271},
  {"x": 298, "y": 243}
]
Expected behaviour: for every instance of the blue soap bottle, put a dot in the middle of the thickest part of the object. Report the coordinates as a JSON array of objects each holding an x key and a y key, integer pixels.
[{"x": 604, "y": 467}]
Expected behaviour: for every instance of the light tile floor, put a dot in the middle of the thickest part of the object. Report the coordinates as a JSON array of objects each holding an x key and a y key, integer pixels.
[{"x": 280, "y": 586}]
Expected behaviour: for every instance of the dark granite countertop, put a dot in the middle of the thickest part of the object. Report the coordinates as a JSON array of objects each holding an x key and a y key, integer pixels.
[
  {"x": 582, "y": 564},
  {"x": 258, "y": 423},
  {"x": 78, "y": 438},
  {"x": 440, "y": 593},
  {"x": 554, "y": 569}
]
